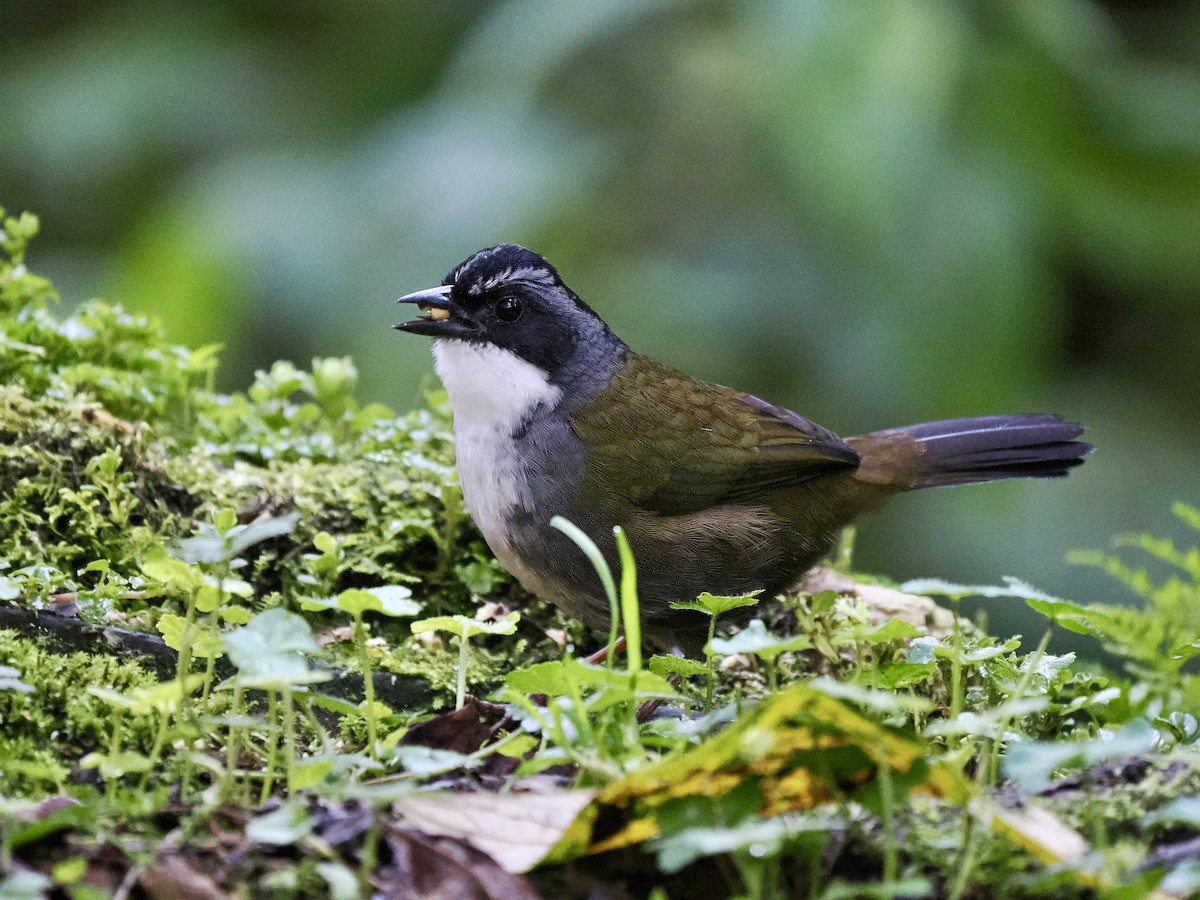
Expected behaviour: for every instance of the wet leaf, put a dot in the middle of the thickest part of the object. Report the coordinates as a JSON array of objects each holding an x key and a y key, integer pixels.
[
  {"x": 391, "y": 600},
  {"x": 756, "y": 640},
  {"x": 464, "y": 625},
  {"x": 282, "y": 826},
  {"x": 270, "y": 650},
  {"x": 462, "y": 730},
  {"x": 803, "y": 746},
  {"x": 714, "y": 605}
]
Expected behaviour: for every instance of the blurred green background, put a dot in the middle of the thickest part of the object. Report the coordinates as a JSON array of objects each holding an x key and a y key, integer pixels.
[{"x": 875, "y": 212}]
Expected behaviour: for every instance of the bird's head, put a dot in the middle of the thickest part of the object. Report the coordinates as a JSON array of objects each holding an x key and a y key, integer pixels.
[{"x": 509, "y": 298}]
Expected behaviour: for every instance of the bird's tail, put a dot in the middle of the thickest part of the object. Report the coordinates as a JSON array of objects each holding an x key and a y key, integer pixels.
[{"x": 969, "y": 451}]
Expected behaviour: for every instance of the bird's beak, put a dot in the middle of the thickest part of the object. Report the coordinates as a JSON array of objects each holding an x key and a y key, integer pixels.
[{"x": 442, "y": 319}]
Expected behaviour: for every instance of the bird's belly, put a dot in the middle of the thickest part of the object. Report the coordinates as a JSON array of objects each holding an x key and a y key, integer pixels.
[
  {"x": 513, "y": 487},
  {"x": 494, "y": 485}
]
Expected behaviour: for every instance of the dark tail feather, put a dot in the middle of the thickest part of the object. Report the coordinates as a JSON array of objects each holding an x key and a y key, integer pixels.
[
  {"x": 968, "y": 451},
  {"x": 986, "y": 448}
]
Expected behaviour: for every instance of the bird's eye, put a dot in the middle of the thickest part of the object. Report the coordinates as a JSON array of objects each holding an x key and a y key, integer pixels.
[{"x": 508, "y": 309}]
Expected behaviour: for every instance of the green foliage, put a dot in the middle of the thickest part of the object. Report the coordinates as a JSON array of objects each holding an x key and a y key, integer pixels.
[
  {"x": 113, "y": 442},
  {"x": 59, "y": 720},
  {"x": 464, "y": 627},
  {"x": 244, "y": 527},
  {"x": 1159, "y": 638}
]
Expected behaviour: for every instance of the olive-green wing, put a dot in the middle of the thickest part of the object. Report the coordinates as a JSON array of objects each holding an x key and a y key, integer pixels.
[{"x": 695, "y": 444}]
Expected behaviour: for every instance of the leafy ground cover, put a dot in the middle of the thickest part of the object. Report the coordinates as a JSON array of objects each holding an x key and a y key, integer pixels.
[{"x": 305, "y": 676}]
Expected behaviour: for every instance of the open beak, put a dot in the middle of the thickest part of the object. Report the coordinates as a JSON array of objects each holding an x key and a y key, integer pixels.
[{"x": 440, "y": 319}]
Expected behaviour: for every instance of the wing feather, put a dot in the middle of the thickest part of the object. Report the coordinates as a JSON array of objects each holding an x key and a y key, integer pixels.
[{"x": 705, "y": 445}]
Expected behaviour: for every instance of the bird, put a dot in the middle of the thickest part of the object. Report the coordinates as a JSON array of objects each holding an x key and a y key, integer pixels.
[{"x": 716, "y": 489}]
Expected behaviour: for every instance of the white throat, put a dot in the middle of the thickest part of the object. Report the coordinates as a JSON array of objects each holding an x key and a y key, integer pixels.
[
  {"x": 492, "y": 391},
  {"x": 490, "y": 388}
]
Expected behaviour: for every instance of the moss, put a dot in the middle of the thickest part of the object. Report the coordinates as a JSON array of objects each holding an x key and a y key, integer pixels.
[
  {"x": 125, "y": 480},
  {"x": 59, "y": 720},
  {"x": 112, "y": 444}
]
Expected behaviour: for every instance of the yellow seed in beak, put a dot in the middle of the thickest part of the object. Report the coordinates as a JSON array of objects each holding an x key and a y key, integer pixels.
[{"x": 438, "y": 314}]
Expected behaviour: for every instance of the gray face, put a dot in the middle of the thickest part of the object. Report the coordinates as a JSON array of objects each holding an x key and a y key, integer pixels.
[{"x": 510, "y": 298}]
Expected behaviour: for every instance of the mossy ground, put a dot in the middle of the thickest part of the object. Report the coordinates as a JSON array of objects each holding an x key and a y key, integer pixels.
[{"x": 133, "y": 495}]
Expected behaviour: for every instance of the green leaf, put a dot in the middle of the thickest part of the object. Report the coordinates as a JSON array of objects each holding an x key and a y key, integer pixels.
[
  {"x": 225, "y": 520},
  {"x": 284, "y": 826},
  {"x": 477, "y": 576},
  {"x": 715, "y": 605},
  {"x": 308, "y": 773},
  {"x": 893, "y": 629},
  {"x": 556, "y": 677},
  {"x": 464, "y": 626},
  {"x": 218, "y": 544},
  {"x": 950, "y": 589},
  {"x": 762, "y": 838},
  {"x": 270, "y": 650},
  {"x": 423, "y": 761},
  {"x": 205, "y": 642},
  {"x": 1031, "y": 764},
  {"x": 677, "y": 665},
  {"x": 756, "y": 640},
  {"x": 1186, "y": 651},
  {"x": 236, "y": 615},
  {"x": 881, "y": 701},
  {"x": 160, "y": 567},
  {"x": 163, "y": 698},
  {"x": 70, "y": 870},
  {"x": 25, "y": 885},
  {"x": 822, "y": 602},
  {"x": 342, "y": 882},
  {"x": 1070, "y": 616},
  {"x": 124, "y": 763},
  {"x": 1181, "y": 810},
  {"x": 899, "y": 674},
  {"x": 391, "y": 600}
]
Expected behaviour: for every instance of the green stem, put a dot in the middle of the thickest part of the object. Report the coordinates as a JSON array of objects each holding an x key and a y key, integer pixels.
[
  {"x": 364, "y": 662},
  {"x": 315, "y": 724},
  {"x": 993, "y": 765},
  {"x": 460, "y": 696},
  {"x": 160, "y": 740},
  {"x": 967, "y": 862},
  {"x": 629, "y": 604},
  {"x": 183, "y": 662},
  {"x": 369, "y": 856},
  {"x": 289, "y": 733},
  {"x": 585, "y": 725},
  {"x": 956, "y": 668},
  {"x": 711, "y": 659},
  {"x": 272, "y": 748},
  {"x": 114, "y": 747},
  {"x": 210, "y": 671},
  {"x": 891, "y": 857},
  {"x": 234, "y": 741},
  {"x": 596, "y": 558}
]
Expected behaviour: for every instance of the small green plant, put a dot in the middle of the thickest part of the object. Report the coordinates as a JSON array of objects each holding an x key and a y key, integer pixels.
[
  {"x": 713, "y": 606},
  {"x": 272, "y": 652},
  {"x": 755, "y": 640},
  {"x": 892, "y": 774},
  {"x": 394, "y": 601},
  {"x": 464, "y": 628},
  {"x": 588, "y": 716}
]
